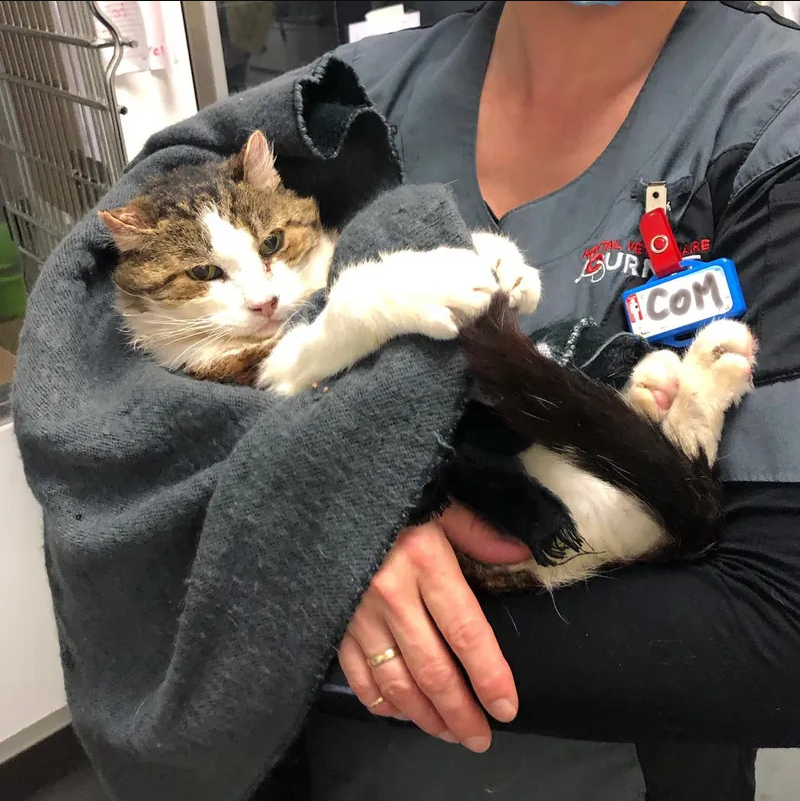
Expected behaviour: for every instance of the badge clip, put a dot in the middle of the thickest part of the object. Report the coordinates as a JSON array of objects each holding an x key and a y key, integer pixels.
[{"x": 656, "y": 196}]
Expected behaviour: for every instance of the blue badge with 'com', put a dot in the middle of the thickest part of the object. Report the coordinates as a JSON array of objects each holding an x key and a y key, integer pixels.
[{"x": 670, "y": 310}]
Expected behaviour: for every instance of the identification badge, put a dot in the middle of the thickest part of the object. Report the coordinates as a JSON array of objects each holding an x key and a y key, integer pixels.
[
  {"x": 669, "y": 310},
  {"x": 685, "y": 294}
]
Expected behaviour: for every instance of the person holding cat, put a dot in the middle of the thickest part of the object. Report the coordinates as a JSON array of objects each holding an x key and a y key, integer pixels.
[
  {"x": 549, "y": 121},
  {"x": 561, "y": 136}
]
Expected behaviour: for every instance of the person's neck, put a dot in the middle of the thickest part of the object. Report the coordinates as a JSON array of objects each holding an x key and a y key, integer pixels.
[{"x": 547, "y": 48}]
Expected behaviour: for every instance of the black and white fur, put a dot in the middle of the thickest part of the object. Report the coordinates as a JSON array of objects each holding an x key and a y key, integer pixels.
[{"x": 633, "y": 476}]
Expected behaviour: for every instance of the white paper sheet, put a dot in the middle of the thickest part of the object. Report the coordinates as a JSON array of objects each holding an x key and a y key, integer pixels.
[{"x": 384, "y": 20}]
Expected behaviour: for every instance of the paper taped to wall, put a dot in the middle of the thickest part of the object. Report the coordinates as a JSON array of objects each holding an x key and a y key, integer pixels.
[{"x": 140, "y": 22}]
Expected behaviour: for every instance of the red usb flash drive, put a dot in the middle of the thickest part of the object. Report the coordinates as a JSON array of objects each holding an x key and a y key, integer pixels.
[{"x": 659, "y": 242}]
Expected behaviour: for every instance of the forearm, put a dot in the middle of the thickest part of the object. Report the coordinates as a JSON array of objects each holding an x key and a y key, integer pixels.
[{"x": 707, "y": 652}]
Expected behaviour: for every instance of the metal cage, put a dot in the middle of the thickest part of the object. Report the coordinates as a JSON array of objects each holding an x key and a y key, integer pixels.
[{"x": 61, "y": 143}]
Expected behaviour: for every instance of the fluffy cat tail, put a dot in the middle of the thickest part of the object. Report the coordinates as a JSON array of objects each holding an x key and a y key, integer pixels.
[{"x": 590, "y": 423}]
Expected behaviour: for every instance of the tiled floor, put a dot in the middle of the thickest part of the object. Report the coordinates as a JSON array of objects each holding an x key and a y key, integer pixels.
[{"x": 69, "y": 777}]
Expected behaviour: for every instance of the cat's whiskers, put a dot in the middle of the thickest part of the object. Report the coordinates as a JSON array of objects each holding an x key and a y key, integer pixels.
[
  {"x": 159, "y": 316},
  {"x": 159, "y": 339},
  {"x": 299, "y": 307},
  {"x": 165, "y": 338},
  {"x": 168, "y": 324},
  {"x": 185, "y": 355},
  {"x": 219, "y": 340},
  {"x": 176, "y": 323},
  {"x": 164, "y": 319},
  {"x": 170, "y": 337},
  {"x": 157, "y": 335}
]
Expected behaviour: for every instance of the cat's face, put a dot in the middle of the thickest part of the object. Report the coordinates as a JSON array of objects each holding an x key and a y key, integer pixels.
[{"x": 219, "y": 250}]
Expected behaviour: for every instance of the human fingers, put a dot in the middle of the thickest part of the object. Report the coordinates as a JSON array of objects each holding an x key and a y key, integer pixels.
[
  {"x": 359, "y": 676},
  {"x": 476, "y": 538},
  {"x": 388, "y": 670},
  {"x": 428, "y": 659},
  {"x": 458, "y": 616}
]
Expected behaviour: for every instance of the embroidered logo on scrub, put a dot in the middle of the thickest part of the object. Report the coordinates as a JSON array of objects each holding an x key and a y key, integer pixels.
[{"x": 615, "y": 255}]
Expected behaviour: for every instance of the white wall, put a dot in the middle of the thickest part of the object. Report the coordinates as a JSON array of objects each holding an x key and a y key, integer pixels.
[
  {"x": 789, "y": 8},
  {"x": 32, "y": 700}
]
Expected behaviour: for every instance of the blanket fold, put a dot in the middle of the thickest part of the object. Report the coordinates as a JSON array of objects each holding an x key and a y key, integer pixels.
[{"x": 207, "y": 544}]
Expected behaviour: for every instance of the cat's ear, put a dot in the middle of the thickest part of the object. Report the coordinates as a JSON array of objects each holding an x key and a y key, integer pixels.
[
  {"x": 258, "y": 161},
  {"x": 128, "y": 225}
]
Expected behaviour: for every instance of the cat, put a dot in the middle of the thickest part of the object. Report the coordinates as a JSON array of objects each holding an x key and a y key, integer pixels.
[{"x": 216, "y": 260}]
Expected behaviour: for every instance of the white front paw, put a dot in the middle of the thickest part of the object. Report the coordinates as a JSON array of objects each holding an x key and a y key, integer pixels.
[
  {"x": 722, "y": 356},
  {"x": 442, "y": 291},
  {"x": 655, "y": 384},
  {"x": 515, "y": 276},
  {"x": 282, "y": 371}
]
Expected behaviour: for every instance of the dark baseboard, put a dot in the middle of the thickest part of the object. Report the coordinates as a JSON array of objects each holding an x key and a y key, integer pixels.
[{"x": 42, "y": 765}]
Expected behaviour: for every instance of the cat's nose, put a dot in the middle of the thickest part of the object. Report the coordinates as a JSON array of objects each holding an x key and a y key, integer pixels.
[{"x": 267, "y": 308}]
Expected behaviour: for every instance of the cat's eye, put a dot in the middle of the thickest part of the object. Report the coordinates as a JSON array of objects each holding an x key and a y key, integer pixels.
[
  {"x": 271, "y": 245},
  {"x": 205, "y": 272}
]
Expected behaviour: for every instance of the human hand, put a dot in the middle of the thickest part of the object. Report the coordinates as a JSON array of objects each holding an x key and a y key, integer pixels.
[{"x": 417, "y": 604}]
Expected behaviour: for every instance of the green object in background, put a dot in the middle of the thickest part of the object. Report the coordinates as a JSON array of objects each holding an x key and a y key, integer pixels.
[{"x": 13, "y": 297}]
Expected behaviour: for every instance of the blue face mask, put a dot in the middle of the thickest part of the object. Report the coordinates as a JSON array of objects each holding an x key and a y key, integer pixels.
[{"x": 595, "y": 3}]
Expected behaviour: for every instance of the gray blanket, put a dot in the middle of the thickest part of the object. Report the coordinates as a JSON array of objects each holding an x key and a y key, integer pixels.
[{"x": 207, "y": 544}]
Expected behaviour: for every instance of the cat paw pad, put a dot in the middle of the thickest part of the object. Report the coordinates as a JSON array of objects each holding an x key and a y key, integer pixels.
[
  {"x": 726, "y": 351},
  {"x": 720, "y": 338},
  {"x": 655, "y": 384},
  {"x": 514, "y": 275}
]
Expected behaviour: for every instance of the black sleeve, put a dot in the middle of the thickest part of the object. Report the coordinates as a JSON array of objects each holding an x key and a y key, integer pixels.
[
  {"x": 760, "y": 231},
  {"x": 707, "y": 651}
]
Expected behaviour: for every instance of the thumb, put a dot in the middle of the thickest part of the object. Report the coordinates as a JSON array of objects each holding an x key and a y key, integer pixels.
[{"x": 472, "y": 536}]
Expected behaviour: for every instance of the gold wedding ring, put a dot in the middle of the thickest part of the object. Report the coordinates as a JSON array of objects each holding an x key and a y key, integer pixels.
[
  {"x": 379, "y": 700},
  {"x": 379, "y": 659}
]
